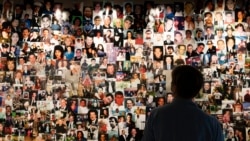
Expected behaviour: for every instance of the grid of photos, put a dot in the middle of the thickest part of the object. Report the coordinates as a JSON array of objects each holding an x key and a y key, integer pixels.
[{"x": 95, "y": 72}]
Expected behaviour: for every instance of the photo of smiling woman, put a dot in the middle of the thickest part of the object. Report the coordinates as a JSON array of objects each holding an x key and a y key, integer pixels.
[{"x": 58, "y": 52}]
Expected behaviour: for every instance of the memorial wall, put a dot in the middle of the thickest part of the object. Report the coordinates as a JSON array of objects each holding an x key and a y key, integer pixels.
[{"x": 94, "y": 72}]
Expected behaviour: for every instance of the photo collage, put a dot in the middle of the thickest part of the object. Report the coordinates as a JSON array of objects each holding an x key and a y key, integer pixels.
[{"x": 94, "y": 72}]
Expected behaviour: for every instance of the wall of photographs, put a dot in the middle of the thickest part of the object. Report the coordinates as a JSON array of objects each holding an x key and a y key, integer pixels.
[{"x": 95, "y": 73}]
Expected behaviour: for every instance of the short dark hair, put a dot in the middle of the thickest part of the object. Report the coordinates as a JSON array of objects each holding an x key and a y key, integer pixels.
[
  {"x": 130, "y": 114},
  {"x": 170, "y": 47},
  {"x": 93, "y": 111},
  {"x": 200, "y": 44},
  {"x": 198, "y": 30},
  {"x": 128, "y": 4},
  {"x": 97, "y": 17},
  {"x": 188, "y": 31},
  {"x": 46, "y": 16},
  {"x": 111, "y": 95},
  {"x": 118, "y": 93},
  {"x": 116, "y": 121},
  {"x": 26, "y": 29},
  {"x": 186, "y": 81},
  {"x": 208, "y": 13},
  {"x": 83, "y": 100},
  {"x": 107, "y": 4}
]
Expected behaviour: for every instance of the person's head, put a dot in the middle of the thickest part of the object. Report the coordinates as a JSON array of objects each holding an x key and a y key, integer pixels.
[
  {"x": 46, "y": 20},
  {"x": 128, "y": 7},
  {"x": 135, "y": 76},
  {"x": 78, "y": 52},
  {"x": 133, "y": 132},
  {"x": 107, "y": 20},
  {"x": 7, "y": 5},
  {"x": 219, "y": 32},
  {"x": 97, "y": 6},
  {"x": 108, "y": 99},
  {"x": 230, "y": 42},
  {"x": 15, "y": 22},
  {"x": 169, "y": 98},
  {"x": 181, "y": 49},
  {"x": 148, "y": 34},
  {"x": 129, "y": 34},
  {"x": 186, "y": 81},
  {"x": 110, "y": 69},
  {"x": 89, "y": 40},
  {"x": 218, "y": 16},
  {"x": 129, "y": 117},
  {"x": 87, "y": 11},
  {"x": 79, "y": 134},
  {"x": 102, "y": 137},
  {"x": 230, "y": 4},
  {"x": 168, "y": 24},
  {"x": 11, "y": 65},
  {"x": 226, "y": 116},
  {"x": 210, "y": 44},
  {"x": 200, "y": 47},
  {"x": 169, "y": 59},
  {"x": 25, "y": 32},
  {"x": 92, "y": 114},
  {"x": 188, "y": 33},
  {"x": 58, "y": 52},
  {"x": 206, "y": 86},
  {"x": 129, "y": 103},
  {"x": 220, "y": 3},
  {"x": 77, "y": 21},
  {"x": 170, "y": 49},
  {"x": 128, "y": 21},
  {"x": 189, "y": 48},
  {"x": 119, "y": 98},
  {"x": 66, "y": 29},
  {"x": 113, "y": 122},
  {"x": 83, "y": 102},
  {"x": 229, "y": 29},
  {"x": 32, "y": 58},
  {"x": 229, "y": 16},
  {"x": 208, "y": 18},
  {"x": 160, "y": 101},
  {"x": 178, "y": 36},
  {"x": 150, "y": 98},
  {"x": 221, "y": 45},
  {"x": 209, "y": 30},
  {"x": 14, "y": 37},
  {"x": 240, "y": 14},
  {"x": 97, "y": 20},
  {"x": 118, "y": 23},
  {"x": 240, "y": 27},
  {"x": 188, "y": 6},
  {"x": 158, "y": 52},
  {"x": 168, "y": 8},
  {"x": 168, "y": 37},
  {"x": 45, "y": 32},
  {"x": 63, "y": 102},
  {"x": 198, "y": 33}
]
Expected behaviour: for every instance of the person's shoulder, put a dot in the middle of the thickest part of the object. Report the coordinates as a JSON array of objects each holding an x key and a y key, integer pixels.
[{"x": 158, "y": 110}]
